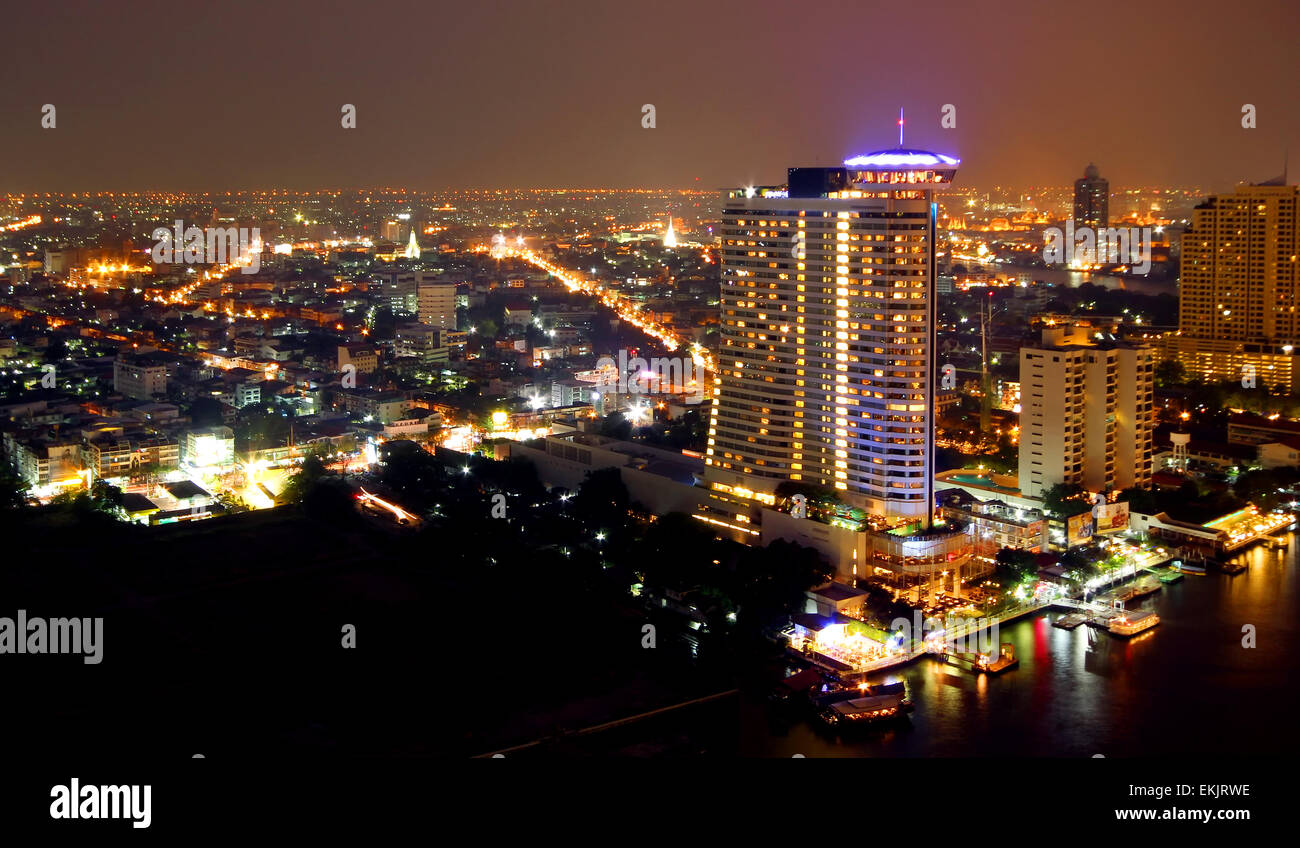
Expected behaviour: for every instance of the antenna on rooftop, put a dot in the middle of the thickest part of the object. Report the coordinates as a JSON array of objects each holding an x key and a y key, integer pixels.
[{"x": 900, "y": 126}]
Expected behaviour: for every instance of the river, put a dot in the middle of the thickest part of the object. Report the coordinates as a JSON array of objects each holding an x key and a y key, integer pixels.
[
  {"x": 1074, "y": 279},
  {"x": 1188, "y": 687}
]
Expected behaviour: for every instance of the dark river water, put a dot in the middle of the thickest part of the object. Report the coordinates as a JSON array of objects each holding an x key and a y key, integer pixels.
[{"x": 1186, "y": 688}]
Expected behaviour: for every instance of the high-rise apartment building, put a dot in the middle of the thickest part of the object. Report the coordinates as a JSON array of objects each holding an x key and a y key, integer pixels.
[
  {"x": 1086, "y": 413},
  {"x": 825, "y": 367},
  {"x": 1239, "y": 290},
  {"x": 1092, "y": 199},
  {"x": 437, "y": 301}
]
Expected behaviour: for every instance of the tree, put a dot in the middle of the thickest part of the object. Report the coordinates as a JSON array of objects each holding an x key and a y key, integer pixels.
[
  {"x": 1267, "y": 488},
  {"x": 1065, "y": 499},
  {"x": 309, "y": 474},
  {"x": 603, "y": 498},
  {"x": 616, "y": 426},
  {"x": 13, "y": 492},
  {"x": 1017, "y": 564},
  {"x": 206, "y": 412},
  {"x": 328, "y": 500},
  {"x": 1144, "y": 501},
  {"x": 818, "y": 496},
  {"x": 1169, "y": 374},
  {"x": 676, "y": 553},
  {"x": 774, "y": 579}
]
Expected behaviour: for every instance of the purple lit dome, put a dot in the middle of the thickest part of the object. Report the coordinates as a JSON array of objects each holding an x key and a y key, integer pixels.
[{"x": 900, "y": 157}]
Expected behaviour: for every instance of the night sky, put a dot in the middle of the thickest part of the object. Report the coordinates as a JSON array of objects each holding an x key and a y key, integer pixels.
[{"x": 237, "y": 94}]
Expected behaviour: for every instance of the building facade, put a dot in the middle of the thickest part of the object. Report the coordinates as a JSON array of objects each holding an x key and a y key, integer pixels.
[
  {"x": 1086, "y": 413},
  {"x": 1092, "y": 199},
  {"x": 1239, "y": 290},
  {"x": 139, "y": 377},
  {"x": 825, "y": 368},
  {"x": 436, "y": 302}
]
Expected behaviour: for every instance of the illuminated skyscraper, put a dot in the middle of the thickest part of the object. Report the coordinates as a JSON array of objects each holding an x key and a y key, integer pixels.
[
  {"x": 1239, "y": 289},
  {"x": 825, "y": 368},
  {"x": 1092, "y": 199}
]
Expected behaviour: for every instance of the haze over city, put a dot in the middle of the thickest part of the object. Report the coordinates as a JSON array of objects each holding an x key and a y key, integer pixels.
[{"x": 247, "y": 95}]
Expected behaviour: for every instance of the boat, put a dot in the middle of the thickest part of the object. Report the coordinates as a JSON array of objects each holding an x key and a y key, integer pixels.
[
  {"x": 1170, "y": 576},
  {"x": 870, "y": 709},
  {"x": 1188, "y": 567},
  {"x": 1233, "y": 568},
  {"x": 1133, "y": 623},
  {"x": 1133, "y": 593},
  {"x": 863, "y": 704}
]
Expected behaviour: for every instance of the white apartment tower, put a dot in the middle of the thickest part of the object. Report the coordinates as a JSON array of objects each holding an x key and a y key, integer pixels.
[
  {"x": 825, "y": 367},
  {"x": 1085, "y": 413},
  {"x": 436, "y": 301}
]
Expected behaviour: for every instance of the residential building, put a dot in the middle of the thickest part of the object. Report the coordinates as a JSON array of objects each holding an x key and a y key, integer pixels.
[
  {"x": 1239, "y": 289},
  {"x": 1086, "y": 413}
]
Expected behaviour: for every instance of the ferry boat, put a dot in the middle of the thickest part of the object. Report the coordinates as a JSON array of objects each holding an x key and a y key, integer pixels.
[{"x": 1133, "y": 623}]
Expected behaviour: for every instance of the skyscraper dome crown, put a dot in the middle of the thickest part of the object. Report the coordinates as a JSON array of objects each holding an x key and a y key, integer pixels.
[
  {"x": 902, "y": 157},
  {"x": 1091, "y": 172}
]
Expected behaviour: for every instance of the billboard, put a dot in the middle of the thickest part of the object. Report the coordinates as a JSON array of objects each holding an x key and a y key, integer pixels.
[
  {"x": 1112, "y": 518},
  {"x": 1079, "y": 529}
]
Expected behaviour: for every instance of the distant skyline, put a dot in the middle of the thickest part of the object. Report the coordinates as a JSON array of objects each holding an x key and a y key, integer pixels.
[{"x": 245, "y": 95}]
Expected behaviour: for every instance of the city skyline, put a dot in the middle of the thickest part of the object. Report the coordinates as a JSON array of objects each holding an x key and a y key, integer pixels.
[{"x": 681, "y": 381}]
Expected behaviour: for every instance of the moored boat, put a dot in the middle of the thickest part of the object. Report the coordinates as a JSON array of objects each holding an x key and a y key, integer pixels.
[
  {"x": 863, "y": 704},
  {"x": 868, "y": 710},
  {"x": 1133, "y": 623}
]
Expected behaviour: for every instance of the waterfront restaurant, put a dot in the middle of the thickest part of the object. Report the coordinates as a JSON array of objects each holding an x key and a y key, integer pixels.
[
  {"x": 1224, "y": 535},
  {"x": 837, "y": 642}
]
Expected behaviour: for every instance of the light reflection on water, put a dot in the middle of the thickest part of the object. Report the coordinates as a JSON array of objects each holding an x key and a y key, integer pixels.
[{"x": 1187, "y": 687}]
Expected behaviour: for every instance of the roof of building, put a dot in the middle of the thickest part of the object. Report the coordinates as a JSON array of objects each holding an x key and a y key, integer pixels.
[
  {"x": 900, "y": 157},
  {"x": 837, "y": 592},
  {"x": 134, "y": 502},
  {"x": 1250, "y": 419},
  {"x": 183, "y": 489}
]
